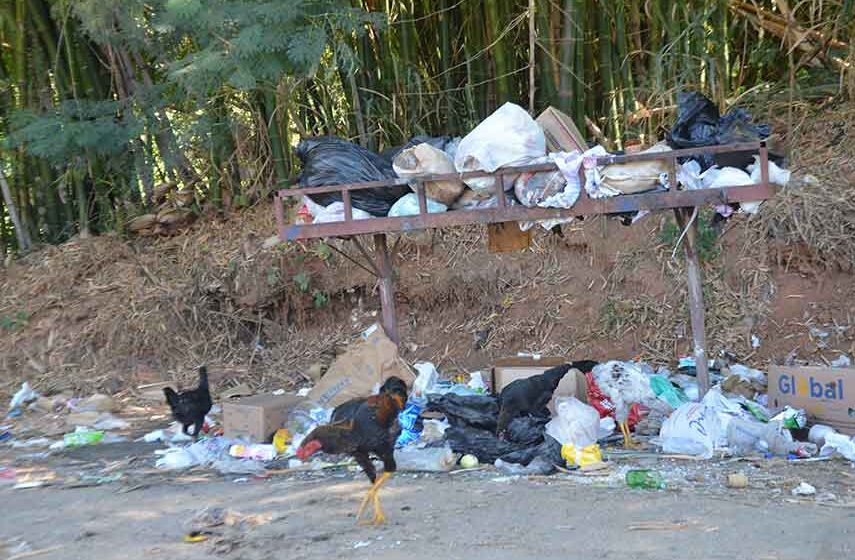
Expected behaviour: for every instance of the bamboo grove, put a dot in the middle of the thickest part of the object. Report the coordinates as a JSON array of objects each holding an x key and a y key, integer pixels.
[{"x": 101, "y": 101}]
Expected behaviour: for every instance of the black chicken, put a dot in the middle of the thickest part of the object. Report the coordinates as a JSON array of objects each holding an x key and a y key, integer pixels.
[
  {"x": 190, "y": 407},
  {"x": 367, "y": 426},
  {"x": 532, "y": 394}
]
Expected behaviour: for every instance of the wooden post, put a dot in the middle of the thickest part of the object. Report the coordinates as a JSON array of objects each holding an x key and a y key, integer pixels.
[
  {"x": 696, "y": 296},
  {"x": 387, "y": 287}
]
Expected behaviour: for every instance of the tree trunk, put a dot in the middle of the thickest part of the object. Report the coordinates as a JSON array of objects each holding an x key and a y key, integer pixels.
[{"x": 21, "y": 232}]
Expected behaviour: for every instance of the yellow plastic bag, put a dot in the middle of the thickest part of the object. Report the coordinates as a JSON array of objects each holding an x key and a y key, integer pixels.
[
  {"x": 583, "y": 456},
  {"x": 281, "y": 440}
]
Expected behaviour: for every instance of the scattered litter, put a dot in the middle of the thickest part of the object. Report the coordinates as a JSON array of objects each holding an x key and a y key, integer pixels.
[
  {"x": 82, "y": 436},
  {"x": 842, "y": 362},
  {"x": 256, "y": 452},
  {"x": 427, "y": 459},
  {"x": 37, "y": 442},
  {"x": 755, "y": 341},
  {"x": 737, "y": 480},
  {"x": 645, "y": 479},
  {"x": 361, "y": 544},
  {"x": 469, "y": 461},
  {"x": 23, "y": 397},
  {"x": 657, "y": 526},
  {"x": 803, "y": 489}
]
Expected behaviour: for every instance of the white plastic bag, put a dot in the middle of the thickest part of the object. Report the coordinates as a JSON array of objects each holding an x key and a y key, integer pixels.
[
  {"x": 408, "y": 205},
  {"x": 335, "y": 213},
  {"x": 426, "y": 381},
  {"x": 748, "y": 374},
  {"x": 838, "y": 443},
  {"x": 692, "y": 429},
  {"x": 574, "y": 423},
  {"x": 425, "y": 459},
  {"x": 25, "y": 395},
  {"x": 777, "y": 176},
  {"x": 507, "y": 138}
]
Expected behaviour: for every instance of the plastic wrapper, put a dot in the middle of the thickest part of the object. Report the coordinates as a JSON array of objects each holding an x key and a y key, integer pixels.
[
  {"x": 509, "y": 137},
  {"x": 328, "y": 160},
  {"x": 408, "y": 205},
  {"x": 667, "y": 392},
  {"x": 537, "y": 466},
  {"x": 425, "y": 459}
]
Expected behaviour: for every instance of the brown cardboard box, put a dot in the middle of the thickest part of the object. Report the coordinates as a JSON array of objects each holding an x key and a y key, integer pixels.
[
  {"x": 561, "y": 132},
  {"x": 574, "y": 384},
  {"x": 826, "y": 394},
  {"x": 367, "y": 363},
  {"x": 257, "y": 418}
]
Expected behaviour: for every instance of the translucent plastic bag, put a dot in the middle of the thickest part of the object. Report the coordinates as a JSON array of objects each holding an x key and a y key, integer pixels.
[
  {"x": 426, "y": 459},
  {"x": 574, "y": 423},
  {"x": 408, "y": 205},
  {"x": 692, "y": 429},
  {"x": 506, "y": 138}
]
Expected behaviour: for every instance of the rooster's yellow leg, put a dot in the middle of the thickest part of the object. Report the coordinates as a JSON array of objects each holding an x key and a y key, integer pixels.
[
  {"x": 372, "y": 495},
  {"x": 628, "y": 442}
]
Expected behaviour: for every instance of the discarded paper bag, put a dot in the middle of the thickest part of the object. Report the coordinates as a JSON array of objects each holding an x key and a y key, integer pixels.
[
  {"x": 424, "y": 159},
  {"x": 366, "y": 364},
  {"x": 637, "y": 176}
]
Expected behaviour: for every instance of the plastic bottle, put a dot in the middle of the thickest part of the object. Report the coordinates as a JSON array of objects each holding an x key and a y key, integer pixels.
[
  {"x": 82, "y": 437},
  {"x": 645, "y": 478}
]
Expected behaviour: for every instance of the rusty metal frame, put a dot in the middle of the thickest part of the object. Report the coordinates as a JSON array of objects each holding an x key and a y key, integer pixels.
[
  {"x": 657, "y": 200},
  {"x": 681, "y": 201}
]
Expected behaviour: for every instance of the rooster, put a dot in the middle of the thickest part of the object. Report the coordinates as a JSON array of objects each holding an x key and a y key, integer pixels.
[
  {"x": 531, "y": 394},
  {"x": 190, "y": 407},
  {"x": 363, "y": 427},
  {"x": 624, "y": 383}
]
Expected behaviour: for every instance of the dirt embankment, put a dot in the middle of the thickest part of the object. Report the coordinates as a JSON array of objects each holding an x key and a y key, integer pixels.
[{"x": 111, "y": 313}]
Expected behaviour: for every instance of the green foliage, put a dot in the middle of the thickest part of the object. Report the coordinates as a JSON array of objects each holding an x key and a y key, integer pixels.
[
  {"x": 321, "y": 299},
  {"x": 13, "y": 322},
  {"x": 302, "y": 280},
  {"x": 76, "y": 132},
  {"x": 707, "y": 242},
  {"x": 246, "y": 44}
]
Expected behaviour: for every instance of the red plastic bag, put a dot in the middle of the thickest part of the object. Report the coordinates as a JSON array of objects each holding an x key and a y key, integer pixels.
[{"x": 605, "y": 407}]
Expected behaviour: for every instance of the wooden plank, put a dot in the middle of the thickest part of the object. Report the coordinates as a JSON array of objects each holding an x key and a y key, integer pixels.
[
  {"x": 387, "y": 287},
  {"x": 696, "y": 295}
]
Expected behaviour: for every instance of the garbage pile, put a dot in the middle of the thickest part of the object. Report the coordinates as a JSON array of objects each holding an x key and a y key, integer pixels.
[
  {"x": 533, "y": 420},
  {"x": 510, "y": 137}
]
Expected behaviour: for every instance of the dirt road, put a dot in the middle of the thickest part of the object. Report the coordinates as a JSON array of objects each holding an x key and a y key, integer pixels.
[{"x": 470, "y": 516}]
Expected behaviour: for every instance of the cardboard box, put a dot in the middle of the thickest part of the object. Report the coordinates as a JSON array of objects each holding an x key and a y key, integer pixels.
[
  {"x": 257, "y": 418},
  {"x": 561, "y": 132},
  {"x": 574, "y": 384},
  {"x": 368, "y": 362},
  {"x": 826, "y": 394}
]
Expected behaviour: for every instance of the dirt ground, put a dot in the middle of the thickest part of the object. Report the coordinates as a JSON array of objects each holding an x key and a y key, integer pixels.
[{"x": 474, "y": 515}]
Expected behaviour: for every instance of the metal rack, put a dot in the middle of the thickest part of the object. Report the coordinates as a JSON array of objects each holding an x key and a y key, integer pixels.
[{"x": 683, "y": 202}]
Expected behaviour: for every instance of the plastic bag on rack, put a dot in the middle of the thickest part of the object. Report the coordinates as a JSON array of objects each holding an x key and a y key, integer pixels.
[
  {"x": 328, "y": 160},
  {"x": 425, "y": 159},
  {"x": 408, "y": 205},
  {"x": 335, "y": 213},
  {"x": 508, "y": 137},
  {"x": 700, "y": 124}
]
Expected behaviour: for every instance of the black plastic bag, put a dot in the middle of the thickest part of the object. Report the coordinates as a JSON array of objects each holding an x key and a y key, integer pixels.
[
  {"x": 474, "y": 411},
  {"x": 549, "y": 449},
  {"x": 700, "y": 124},
  {"x": 481, "y": 443},
  {"x": 328, "y": 160},
  {"x": 527, "y": 430}
]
